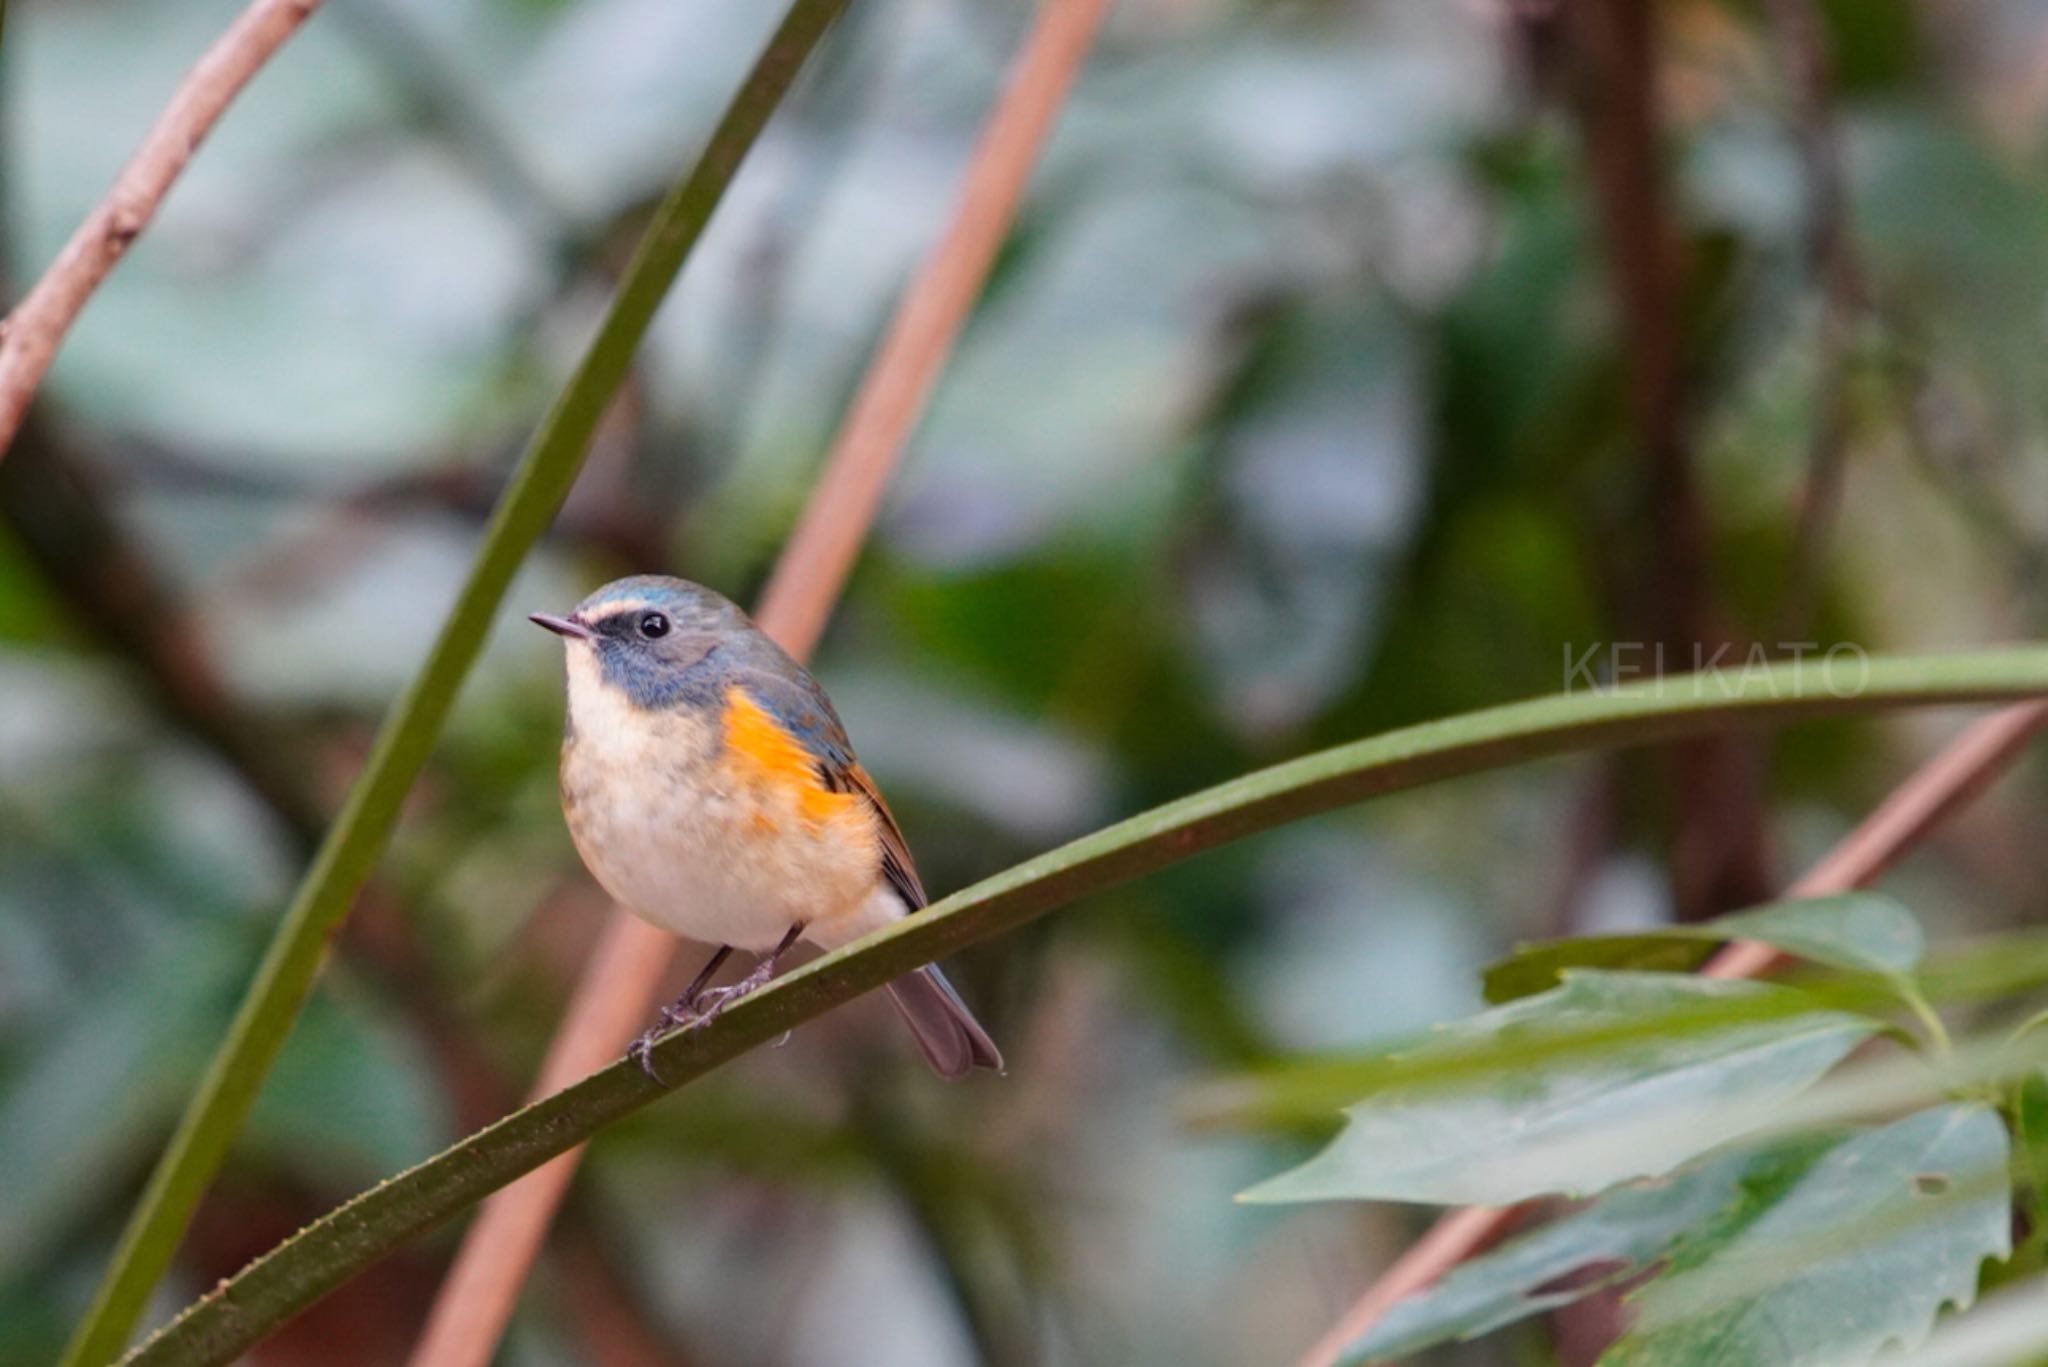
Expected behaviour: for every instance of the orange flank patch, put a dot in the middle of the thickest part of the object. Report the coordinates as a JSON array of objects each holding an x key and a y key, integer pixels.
[{"x": 771, "y": 758}]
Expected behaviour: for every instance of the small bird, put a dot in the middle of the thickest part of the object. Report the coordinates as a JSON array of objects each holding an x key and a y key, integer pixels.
[{"x": 711, "y": 790}]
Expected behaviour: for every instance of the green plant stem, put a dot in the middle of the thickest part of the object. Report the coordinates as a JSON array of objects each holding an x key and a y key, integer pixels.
[
  {"x": 1930, "y": 1020},
  {"x": 364, "y": 827},
  {"x": 238, "y": 1314}
]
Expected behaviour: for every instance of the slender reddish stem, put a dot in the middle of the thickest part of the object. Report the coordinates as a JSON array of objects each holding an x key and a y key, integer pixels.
[
  {"x": 32, "y": 333},
  {"x": 617, "y": 989}
]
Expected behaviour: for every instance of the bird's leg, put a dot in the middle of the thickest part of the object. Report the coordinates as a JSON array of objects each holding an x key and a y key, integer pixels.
[
  {"x": 715, "y": 1000},
  {"x": 701, "y": 1005},
  {"x": 675, "y": 1013},
  {"x": 765, "y": 970}
]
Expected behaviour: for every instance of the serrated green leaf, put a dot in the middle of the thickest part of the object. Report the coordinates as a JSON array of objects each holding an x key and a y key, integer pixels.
[
  {"x": 1638, "y": 1108},
  {"x": 1859, "y": 931},
  {"x": 1863, "y": 1250},
  {"x": 1617, "y": 1237}
]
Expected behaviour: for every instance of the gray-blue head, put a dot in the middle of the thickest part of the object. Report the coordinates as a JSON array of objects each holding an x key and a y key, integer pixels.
[{"x": 646, "y": 632}]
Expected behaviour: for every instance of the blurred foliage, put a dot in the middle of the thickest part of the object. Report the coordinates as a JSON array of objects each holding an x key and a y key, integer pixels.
[
  {"x": 1298, "y": 409},
  {"x": 1668, "y": 1099},
  {"x": 1820, "y": 1249}
]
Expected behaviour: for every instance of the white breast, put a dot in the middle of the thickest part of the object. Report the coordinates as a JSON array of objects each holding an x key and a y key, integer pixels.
[{"x": 678, "y": 838}]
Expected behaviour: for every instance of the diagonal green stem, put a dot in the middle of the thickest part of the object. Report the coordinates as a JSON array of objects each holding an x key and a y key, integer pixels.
[
  {"x": 359, "y": 835},
  {"x": 328, "y": 1252}
]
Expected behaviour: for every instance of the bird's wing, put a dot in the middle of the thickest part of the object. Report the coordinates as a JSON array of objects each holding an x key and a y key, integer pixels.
[
  {"x": 897, "y": 869},
  {"x": 802, "y": 709}
]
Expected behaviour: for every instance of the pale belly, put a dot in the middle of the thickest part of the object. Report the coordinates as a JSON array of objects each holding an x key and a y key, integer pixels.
[{"x": 695, "y": 852}]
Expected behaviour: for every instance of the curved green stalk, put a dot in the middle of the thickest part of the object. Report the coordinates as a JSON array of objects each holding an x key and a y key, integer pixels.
[
  {"x": 328, "y": 1252},
  {"x": 359, "y": 835}
]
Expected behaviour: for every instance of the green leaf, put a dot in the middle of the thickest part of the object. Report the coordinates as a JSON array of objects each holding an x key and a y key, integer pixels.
[
  {"x": 1542, "y": 965},
  {"x": 237, "y": 1313},
  {"x": 1637, "y": 1108},
  {"x": 1617, "y": 1237},
  {"x": 1857, "y": 931},
  {"x": 360, "y": 833},
  {"x": 1864, "y": 1250}
]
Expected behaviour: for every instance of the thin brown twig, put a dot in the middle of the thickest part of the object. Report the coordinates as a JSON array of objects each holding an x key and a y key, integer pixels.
[
  {"x": 1964, "y": 768},
  {"x": 617, "y": 989},
  {"x": 35, "y": 329},
  {"x": 821, "y": 552}
]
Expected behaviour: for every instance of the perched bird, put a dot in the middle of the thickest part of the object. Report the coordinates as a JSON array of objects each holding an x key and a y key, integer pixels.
[{"x": 710, "y": 787}]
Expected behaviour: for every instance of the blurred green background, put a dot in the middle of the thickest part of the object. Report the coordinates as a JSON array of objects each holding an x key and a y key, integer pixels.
[{"x": 1352, "y": 364}]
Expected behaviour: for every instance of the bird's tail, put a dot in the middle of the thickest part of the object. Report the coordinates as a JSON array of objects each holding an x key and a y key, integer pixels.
[{"x": 952, "y": 1040}]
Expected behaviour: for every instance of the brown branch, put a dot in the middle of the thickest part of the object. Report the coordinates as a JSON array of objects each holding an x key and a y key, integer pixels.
[
  {"x": 1719, "y": 851},
  {"x": 36, "y": 327},
  {"x": 617, "y": 990},
  {"x": 1964, "y": 768}
]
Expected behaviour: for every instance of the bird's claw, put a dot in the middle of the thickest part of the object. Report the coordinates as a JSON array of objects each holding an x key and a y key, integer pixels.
[
  {"x": 694, "y": 1013},
  {"x": 641, "y": 1050}
]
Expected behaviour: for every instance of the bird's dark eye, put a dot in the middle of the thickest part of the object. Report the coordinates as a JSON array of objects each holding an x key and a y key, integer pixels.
[{"x": 653, "y": 625}]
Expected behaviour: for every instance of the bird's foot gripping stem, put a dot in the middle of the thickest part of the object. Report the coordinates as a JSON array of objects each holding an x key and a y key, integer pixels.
[{"x": 700, "y": 1004}]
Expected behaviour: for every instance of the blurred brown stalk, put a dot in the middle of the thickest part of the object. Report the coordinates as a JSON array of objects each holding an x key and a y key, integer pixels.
[{"x": 617, "y": 990}]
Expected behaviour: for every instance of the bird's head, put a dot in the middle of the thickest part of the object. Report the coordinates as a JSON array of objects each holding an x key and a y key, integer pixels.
[{"x": 642, "y": 635}]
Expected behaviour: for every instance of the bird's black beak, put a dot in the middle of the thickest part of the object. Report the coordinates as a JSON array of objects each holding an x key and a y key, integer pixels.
[{"x": 563, "y": 626}]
